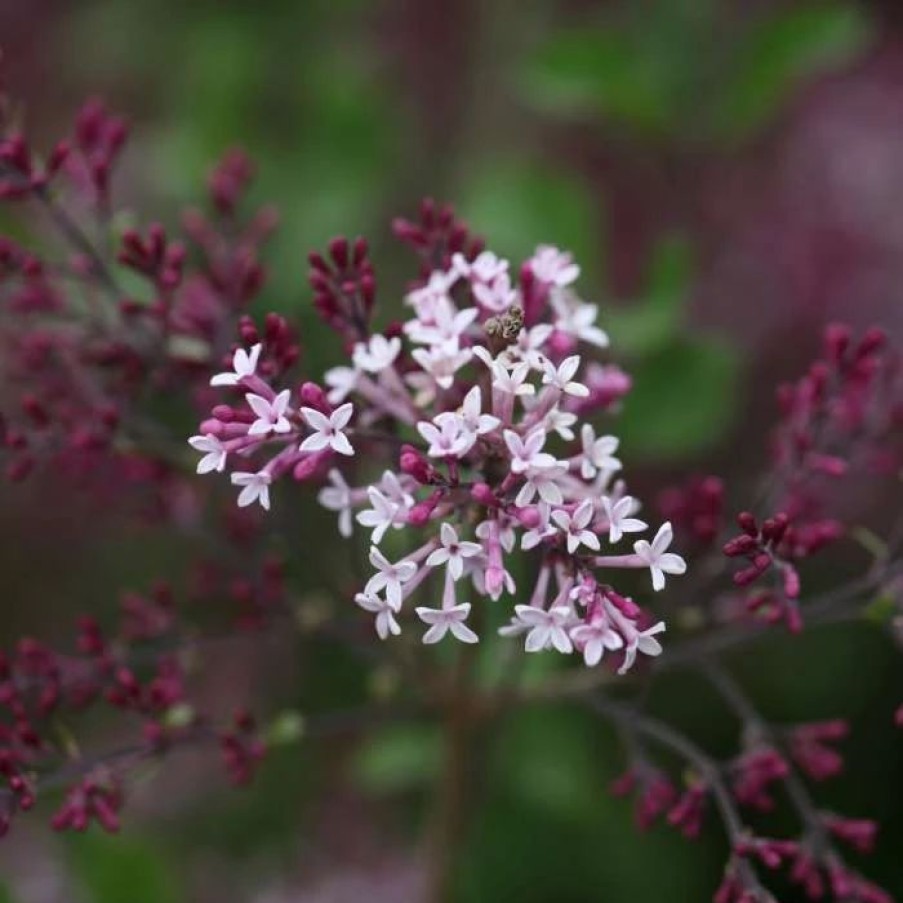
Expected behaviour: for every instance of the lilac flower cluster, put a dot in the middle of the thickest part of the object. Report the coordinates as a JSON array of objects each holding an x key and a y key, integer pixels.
[
  {"x": 484, "y": 391},
  {"x": 500, "y": 484}
]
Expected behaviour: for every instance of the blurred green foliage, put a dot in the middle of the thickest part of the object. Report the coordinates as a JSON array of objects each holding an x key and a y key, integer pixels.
[
  {"x": 687, "y": 70},
  {"x": 116, "y": 869}
]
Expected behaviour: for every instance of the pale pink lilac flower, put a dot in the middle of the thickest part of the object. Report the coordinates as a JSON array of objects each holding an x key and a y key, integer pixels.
[
  {"x": 560, "y": 422},
  {"x": 598, "y": 454},
  {"x": 619, "y": 519},
  {"x": 472, "y": 416},
  {"x": 443, "y": 620},
  {"x": 484, "y": 268},
  {"x": 447, "y": 436},
  {"x": 576, "y": 318},
  {"x": 377, "y": 354},
  {"x": 657, "y": 557},
  {"x": 328, "y": 431},
  {"x": 380, "y": 516},
  {"x": 447, "y": 325},
  {"x": 562, "y": 376},
  {"x": 341, "y": 382},
  {"x": 542, "y": 481},
  {"x": 594, "y": 636},
  {"x": 385, "y": 616},
  {"x": 497, "y": 295},
  {"x": 552, "y": 266},
  {"x": 548, "y": 629},
  {"x": 270, "y": 414},
  {"x": 255, "y": 488},
  {"x": 575, "y": 525},
  {"x": 527, "y": 453},
  {"x": 215, "y": 453},
  {"x": 508, "y": 380},
  {"x": 442, "y": 362},
  {"x": 453, "y": 552},
  {"x": 389, "y": 577},
  {"x": 244, "y": 364},
  {"x": 337, "y": 497}
]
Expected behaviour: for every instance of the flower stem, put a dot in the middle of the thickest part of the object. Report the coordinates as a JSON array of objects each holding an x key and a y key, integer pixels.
[{"x": 453, "y": 791}]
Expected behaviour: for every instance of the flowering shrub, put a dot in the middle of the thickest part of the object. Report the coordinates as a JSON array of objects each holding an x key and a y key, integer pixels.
[{"x": 461, "y": 448}]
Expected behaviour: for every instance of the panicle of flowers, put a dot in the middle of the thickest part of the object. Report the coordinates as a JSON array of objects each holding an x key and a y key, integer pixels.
[
  {"x": 475, "y": 396},
  {"x": 136, "y": 669},
  {"x": 844, "y": 417},
  {"x": 81, "y": 354},
  {"x": 844, "y": 413}
]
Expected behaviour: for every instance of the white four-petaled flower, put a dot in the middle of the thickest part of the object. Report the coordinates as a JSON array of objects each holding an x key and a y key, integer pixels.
[
  {"x": 562, "y": 376},
  {"x": 447, "y": 436},
  {"x": 215, "y": 454},
  {"x": 554, "y": 267},
  {"x": 472, "y": 416},
  {"x": 594, "y": 637},
  {"x": 385, "y": 616},
  {"x": 548, "y": 629},
  {"x": 598, "y": 454},
  {"x": 443, "y": 620},
  {"x": 575, "y": 526},
  {"x": 270, "y": 414},
  {"x": 389, "y": 576},
  {"x": 527, "y": 453},
  {"x": 255, "y": 488},
  {"x": 328, "y": 431},
  {"x": 576, "y": 318},
  {"x": 377, "y": 354},
  {"x": 619, "y": 519},
  {"x": 380, "y": 516},
  {"x": 453, "y": 551},
  {"x": 635, "y": 640},
  {"x": 657, "y": 558},
  {"x": 544, "y": 482},
  {"x": 244, "y": 364}
]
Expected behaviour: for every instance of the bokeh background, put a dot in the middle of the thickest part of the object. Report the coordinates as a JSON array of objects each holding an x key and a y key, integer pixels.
[{"x": 730, "y": 175}]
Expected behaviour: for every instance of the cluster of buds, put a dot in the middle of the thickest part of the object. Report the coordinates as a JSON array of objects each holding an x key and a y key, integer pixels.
[
  {"x": 777, "y": 545},
  {"x": 479, "y": 393},
  {"x": 242, "y": 748},
  {"x": 809, "y": 746},
  {"x": 85, "y": 353},
  {"x": 653, "y": 792},
  {"x": 696, "y": 509},
  {"x": 137, "y": 670},
  {"x": 845, "y": 413},
  {"x": 774, "y": 756},
  {"x": 754, "y": 775},
  {"x": 98, "y": 798},
  {"x": 842, "y": 417}
]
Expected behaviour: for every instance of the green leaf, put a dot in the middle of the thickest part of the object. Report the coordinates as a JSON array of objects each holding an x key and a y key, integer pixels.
[
  {"x": 518, "y": 204},
  {"x": 398, "y": 759},
  {"x": 114, "y": 869},
  {"x": 682, "y": 400},
  {"x": 780, "y": 53},
  {"x": 654, "y": 320}
]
